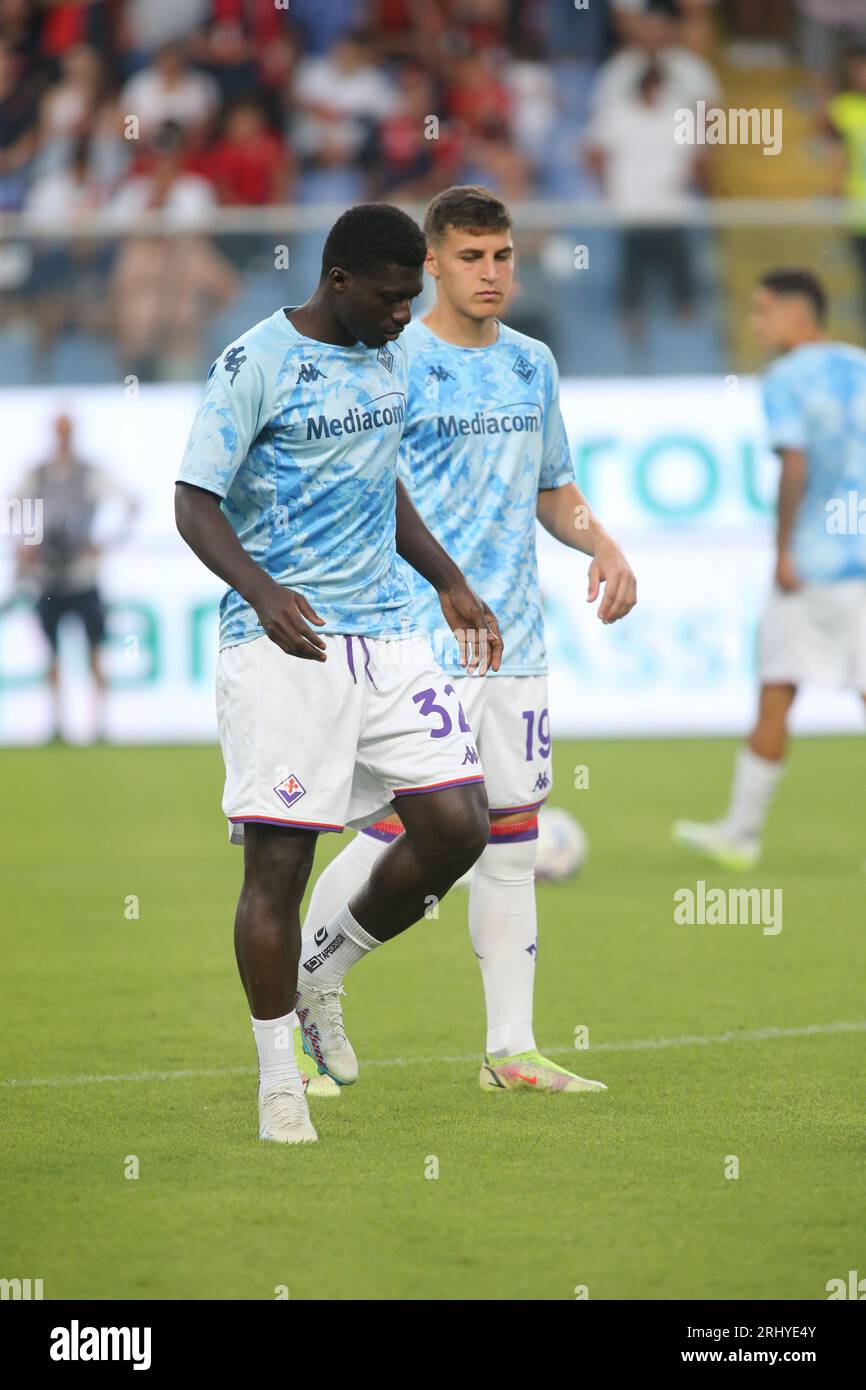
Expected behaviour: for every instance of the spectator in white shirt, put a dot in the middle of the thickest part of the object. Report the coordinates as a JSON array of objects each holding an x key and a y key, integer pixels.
[
  {"x": 631, "y": 147},
  {"x": 165, "y": 186},
  {"x": 685, "y": 78},
  {"x": 339, "y": 98},
  {"x": 170, "y": 90}
]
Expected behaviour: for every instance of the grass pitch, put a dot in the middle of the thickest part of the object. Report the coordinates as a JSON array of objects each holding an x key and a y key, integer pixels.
[{"x": 128, "y": 1042}]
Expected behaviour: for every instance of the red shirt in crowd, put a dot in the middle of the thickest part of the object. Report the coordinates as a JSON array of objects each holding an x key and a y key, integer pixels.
[{"x": 247, "y": 171}]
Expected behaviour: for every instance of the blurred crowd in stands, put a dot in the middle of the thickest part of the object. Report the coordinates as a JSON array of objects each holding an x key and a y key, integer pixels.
[
  {"x": 187, "y": 105},
  {"x": 182, "y": 104}
]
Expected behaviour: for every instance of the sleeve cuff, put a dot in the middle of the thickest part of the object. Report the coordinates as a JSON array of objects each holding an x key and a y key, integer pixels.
[{"x": 206, "y": 484}]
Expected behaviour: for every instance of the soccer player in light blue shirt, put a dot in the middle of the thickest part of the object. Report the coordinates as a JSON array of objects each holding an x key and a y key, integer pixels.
[
  {"x": 484, "y": 435},
  {"x": 814, "y": 625},
  {"x": 290, "y": 435},
  {"x": 331, "y": 709},
  {"x": 484, "y": 453}
]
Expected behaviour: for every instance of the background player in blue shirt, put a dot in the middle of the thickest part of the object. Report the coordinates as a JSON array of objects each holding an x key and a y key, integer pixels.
[
  {"x": 330, "y": 706},
  {"x": 814, "y": 625},
  {"x": 484, "y": 453}
]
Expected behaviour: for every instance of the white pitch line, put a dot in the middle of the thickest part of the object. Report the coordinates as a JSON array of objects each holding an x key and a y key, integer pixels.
[{"x": 745, "y": 1035}]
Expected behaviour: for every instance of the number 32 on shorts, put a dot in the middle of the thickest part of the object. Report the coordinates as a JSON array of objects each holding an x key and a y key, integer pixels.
[{"x": 427, "y": 705}]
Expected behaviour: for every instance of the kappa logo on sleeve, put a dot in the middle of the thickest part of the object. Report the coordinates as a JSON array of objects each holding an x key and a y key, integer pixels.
[
  {"x": 234, "y": 360},
  {"x": 290, "y": 790}
]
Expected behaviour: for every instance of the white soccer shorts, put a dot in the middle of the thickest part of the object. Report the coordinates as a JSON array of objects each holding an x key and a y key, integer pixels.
[
  {"x": 322, "y": 745},
  {"x": 815, "y": 635},
  {"x": 511, "y": 721}
]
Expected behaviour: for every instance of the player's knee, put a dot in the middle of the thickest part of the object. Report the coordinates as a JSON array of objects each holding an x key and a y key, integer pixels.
[
  {"x": 463, "y": 832},
  {"x": 470, "y": 837},
  {"x": 277, "y": 863}
]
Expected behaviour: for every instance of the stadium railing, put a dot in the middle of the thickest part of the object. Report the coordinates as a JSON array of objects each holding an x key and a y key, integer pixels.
[{"x": 659, "y": 289}]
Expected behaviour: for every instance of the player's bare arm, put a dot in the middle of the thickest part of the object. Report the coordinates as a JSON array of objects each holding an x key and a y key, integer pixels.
[
  {"x": 566, "y": 514},
  {"x": 283, "y": 613},
  {"x": 792, "y": 484},
  {"x": 469, "y": 617}
]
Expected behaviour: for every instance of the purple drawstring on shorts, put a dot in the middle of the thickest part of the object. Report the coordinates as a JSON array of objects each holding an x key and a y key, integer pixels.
[
  {"x": 367, "y": 670},
  {"x": 350, "y": 658}
]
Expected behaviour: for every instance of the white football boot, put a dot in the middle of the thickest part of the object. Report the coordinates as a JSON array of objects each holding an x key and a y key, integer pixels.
[
  {"x": 321, "y": 1019},
  {"x": 714, "y": 841},
  {"x": 320, "y": 1086},
  {"x": 285, "y": 1116}
]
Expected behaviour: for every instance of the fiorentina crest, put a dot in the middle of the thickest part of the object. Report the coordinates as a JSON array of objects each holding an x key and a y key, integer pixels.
[{"x": 290, "y": 790}]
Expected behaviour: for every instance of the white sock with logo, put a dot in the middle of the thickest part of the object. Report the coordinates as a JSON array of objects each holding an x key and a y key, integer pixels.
[
  {"x": 328, "y": 951},
  {"x": 339, "y": 881},
  {"x": 503, "y": 927},
  {"x": 753, "y": 788},
  {"x": 275, "y": 1044}
]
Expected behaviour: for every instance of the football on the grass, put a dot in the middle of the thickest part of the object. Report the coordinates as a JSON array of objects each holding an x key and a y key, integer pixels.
[{"x": 562, "y": 845}]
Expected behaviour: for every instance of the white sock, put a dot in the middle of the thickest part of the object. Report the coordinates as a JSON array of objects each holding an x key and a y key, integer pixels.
[
  {"x": 752, "y": 790},
  {"x": 502, "y": 924},
  {"x": 339, "y": 881},
  {"x": 329, "y": 950},
  {"x": 275, "y": 1044}
]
